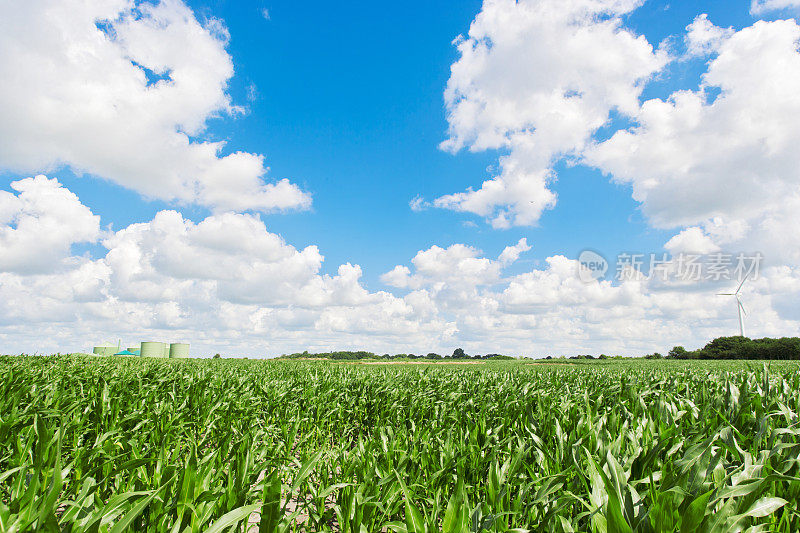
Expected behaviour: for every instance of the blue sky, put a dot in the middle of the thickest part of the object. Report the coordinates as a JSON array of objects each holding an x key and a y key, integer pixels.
[
  {"x": 350, "y": 105},
  {"x": 347, "y": 102}
]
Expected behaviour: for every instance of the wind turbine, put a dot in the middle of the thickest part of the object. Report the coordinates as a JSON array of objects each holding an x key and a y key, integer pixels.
[{"x": 739, "y": 305}]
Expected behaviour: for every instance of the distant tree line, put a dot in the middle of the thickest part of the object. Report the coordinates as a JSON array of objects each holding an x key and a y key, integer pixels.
[
  {"x": 343, "y": 356},
  {"x": 458, "y": 354},
  {"x": 736, "y": 347},
  {"x": 739, "y": 347}
]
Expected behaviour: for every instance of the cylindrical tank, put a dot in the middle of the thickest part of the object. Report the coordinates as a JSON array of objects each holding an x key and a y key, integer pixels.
[
  {"x": 133, "y": 348},
  {"x": 105, "y": 349},
  {"x": 152, "y": 349},
  {"x": 166, "y": 350},
  {"x": 178, "y": 350}
]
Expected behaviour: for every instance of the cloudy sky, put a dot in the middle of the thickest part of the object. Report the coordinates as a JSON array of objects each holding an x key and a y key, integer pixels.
[{"x": 258, "y": 178}]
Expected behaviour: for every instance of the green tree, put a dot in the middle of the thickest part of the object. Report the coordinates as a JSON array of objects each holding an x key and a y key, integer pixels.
[{"x": 677, "y": 352}]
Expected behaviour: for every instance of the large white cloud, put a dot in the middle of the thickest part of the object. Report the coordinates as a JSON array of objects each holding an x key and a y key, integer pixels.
[
  {"x": 228, "y": 257},
  {"x": 724, "y": 156},
  {"x": 124, "y": 92},
  {"x": 536, "y": 78}
]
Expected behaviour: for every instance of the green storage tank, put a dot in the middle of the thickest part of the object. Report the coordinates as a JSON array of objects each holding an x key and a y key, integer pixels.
[
  {"x": 105, "y": 349},
  {"x": 152, "y": 349},
  {"x": 134, "y": 348},
  {"x": 178, "y": 350}
]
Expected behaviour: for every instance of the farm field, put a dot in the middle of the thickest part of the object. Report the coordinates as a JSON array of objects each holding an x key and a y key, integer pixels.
[{"x": 103, "y": 444}]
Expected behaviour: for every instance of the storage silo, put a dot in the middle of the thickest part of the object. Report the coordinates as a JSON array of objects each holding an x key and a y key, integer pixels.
[
  {"x": 166, "y": 350},
  {"x": 152, "y": 349},
  {"x": 105, "y": 349},
  {"x": 178, "y": 350}
]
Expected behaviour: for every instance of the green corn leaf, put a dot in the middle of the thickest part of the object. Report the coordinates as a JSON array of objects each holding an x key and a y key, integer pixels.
[
  {"x": 695, "y": 512},
  {"x": 127, "y": 521},
  {"x": 414, "y": 522},
  {"x": 765, "y": 506},
  {"x": 271, "y": 507},
  {"x": 456, "y": 514},
  {"x": 232, "y": 517}
]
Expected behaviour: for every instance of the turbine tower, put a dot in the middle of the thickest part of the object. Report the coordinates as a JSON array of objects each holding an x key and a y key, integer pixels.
[{"x": 739, "y": 306}]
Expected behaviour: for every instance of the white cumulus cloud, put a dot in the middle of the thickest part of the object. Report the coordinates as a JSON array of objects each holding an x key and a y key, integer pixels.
[
  {"x": 227, "y": 284},
  {"x": 224, "y": 282},
  {"x": 703, "y": 37},
  {"x": 40, "y": 223},
  {"x": 723, "y": 157},
  {"x": 124, "y": 92},
  {"x": 535, "y": 79},
  {"x": 691, "y": 240}
]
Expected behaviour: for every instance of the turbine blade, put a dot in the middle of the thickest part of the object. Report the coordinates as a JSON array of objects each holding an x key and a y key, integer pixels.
[
  {"x": 725, "y": 294},
  {"x": 742, "y": 283},
  {"x": 742, "y": 306}
]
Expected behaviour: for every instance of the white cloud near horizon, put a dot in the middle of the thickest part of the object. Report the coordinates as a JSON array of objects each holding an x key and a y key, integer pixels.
[
  {"x": 124, "y": 92},
  {"x": 223, "y": 279},
  {"x": 227, "y": 284}
]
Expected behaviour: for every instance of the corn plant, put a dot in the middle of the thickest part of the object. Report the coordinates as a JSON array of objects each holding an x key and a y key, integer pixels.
[{"x": 104, "y": 444}]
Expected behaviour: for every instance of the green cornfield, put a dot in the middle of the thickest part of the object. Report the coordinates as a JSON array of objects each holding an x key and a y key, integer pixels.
[{"x": 103, "y": 444}]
